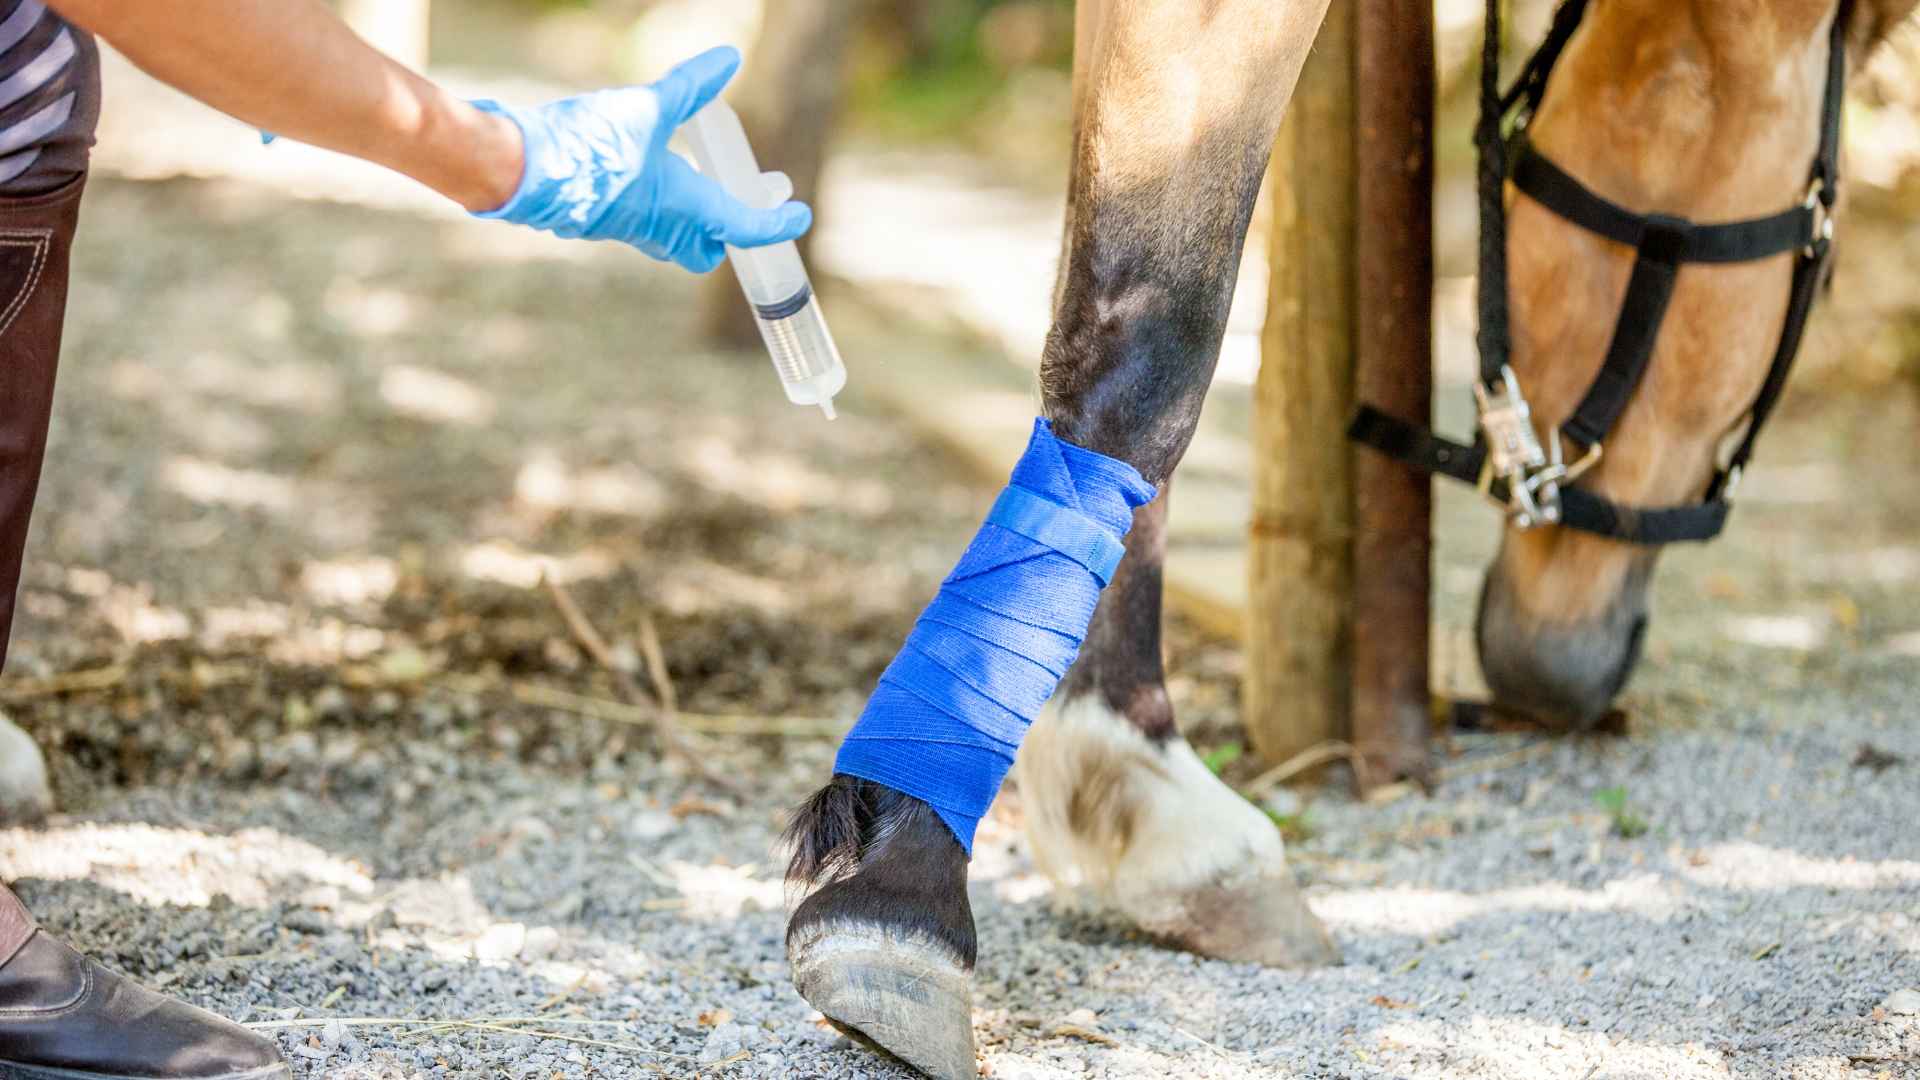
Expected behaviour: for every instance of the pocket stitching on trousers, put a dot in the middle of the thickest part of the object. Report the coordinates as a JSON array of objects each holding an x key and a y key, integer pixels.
[{"x": 41, "y": 241}]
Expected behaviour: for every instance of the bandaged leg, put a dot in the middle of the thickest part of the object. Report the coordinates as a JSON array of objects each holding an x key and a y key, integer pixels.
[
  {"x": 885, "y": 947},
  {"x": 951, "y": 710},
  {"x": 1169, "y": 148}
]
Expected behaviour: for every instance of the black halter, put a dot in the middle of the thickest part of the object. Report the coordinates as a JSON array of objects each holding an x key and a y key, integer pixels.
[{"x": 1507, "y": 460}]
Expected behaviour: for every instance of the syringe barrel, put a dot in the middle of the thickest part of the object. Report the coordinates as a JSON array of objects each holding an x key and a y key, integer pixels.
[
  {"x": 803, "y": 351},
  {"x": 773, "y": 277}
]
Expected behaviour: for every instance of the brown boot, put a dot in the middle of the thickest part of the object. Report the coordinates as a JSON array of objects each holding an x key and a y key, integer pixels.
[{"x": 64, "y": 1017}]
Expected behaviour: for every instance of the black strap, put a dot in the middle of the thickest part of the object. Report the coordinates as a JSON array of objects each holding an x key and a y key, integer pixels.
[
  {"x": 1826, "y": 166},
  {"x": 1489, "y": 138},
  {"x": 1815, "y": 262},
  {"x": 1807, "y": 275},
  {"x": 1722, "y": 242},
  {"x": 1491, "y": 181},
  {"x": 1696, "y": 522},
  {"x": 1579, "y": 508},
  {"x": 1531, "y": 86},
  {"x": 1416, "y": 445},
  {"x": 1648, "y": 292},
  {"x": 1662, "y": 245}
]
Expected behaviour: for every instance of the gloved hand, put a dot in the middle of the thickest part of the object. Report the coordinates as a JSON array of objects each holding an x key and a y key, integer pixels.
[{"x": 598, "y": 168}]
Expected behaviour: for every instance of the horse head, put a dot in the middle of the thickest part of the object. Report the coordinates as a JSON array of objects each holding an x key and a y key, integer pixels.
[{"x": 1704, "y": 110}]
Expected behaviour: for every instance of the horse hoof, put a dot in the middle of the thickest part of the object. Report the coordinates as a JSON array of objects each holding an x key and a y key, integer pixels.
[
  {"x": 885, "y": 948},
  {"x": 903, "y": 995},
  {"x": 1257, "y": 918},
  {"x": 25, "y": 795},
  {"x": 1145, "y": 829}
]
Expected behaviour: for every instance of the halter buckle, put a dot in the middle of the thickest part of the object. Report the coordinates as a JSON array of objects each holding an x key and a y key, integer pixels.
[
  {"x": 1816, "y": 203},
  {"x": 1732, "y": 483},
  {"x": 1531, "y": 473}
]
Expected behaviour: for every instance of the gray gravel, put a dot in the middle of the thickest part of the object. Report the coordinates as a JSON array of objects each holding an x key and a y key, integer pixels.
[{"x": 335, "y": 855}]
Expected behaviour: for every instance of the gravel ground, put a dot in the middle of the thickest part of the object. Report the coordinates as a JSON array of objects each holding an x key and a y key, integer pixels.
[{"x": 311, "y": 460}]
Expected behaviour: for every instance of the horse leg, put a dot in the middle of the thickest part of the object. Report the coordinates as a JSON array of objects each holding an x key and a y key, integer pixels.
[
  {"x": 1176, "y": 114},
  {"x": 1123, "y": 816},
  {"x": 1170, "y": 151}
]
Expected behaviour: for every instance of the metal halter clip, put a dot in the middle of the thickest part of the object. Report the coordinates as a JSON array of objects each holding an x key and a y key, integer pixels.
[
  {"x": 1533, "y": 473},
  {"x": 1822, "y": 218}
]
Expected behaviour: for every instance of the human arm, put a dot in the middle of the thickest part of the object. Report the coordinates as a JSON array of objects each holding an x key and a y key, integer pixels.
[{"x": 595, "y": 166}]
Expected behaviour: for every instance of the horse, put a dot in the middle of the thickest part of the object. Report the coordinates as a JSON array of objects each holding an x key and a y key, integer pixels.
[{"x": 1707, "y": 110}]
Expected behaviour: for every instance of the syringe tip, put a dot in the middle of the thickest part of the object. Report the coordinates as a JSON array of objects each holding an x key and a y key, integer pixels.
[{"x": 826, "y": 406}]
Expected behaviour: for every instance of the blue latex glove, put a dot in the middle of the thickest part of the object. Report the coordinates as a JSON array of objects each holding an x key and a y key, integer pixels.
[{"x": 598, "y": 168}]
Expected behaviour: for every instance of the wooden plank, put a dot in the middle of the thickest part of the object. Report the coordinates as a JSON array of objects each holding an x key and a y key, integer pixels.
[
  {"x": 1393, "y": 504},
  {"x": 1299, "y": 551}
]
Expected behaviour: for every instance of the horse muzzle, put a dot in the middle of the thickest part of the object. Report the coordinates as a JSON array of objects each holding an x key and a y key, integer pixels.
[{"x": 1562, "y": 671}]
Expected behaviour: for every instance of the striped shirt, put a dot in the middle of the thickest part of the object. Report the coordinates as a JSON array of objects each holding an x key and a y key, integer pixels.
[{"x": 49, "y": 98}]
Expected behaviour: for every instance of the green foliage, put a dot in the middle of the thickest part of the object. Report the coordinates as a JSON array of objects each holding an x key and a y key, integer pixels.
[
  {"x": 1625, "y": 823},
  {"x": 1222, "y": 756},
  {"x": 1293, "y": 827},
  {"x": 926, "y": 102},
  {"x": 936, "y": 68}
]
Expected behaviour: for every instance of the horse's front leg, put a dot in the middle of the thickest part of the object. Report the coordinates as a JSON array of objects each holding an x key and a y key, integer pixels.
[
  {"x": 1179, "y": 111},
  {"x": 1177, "y": 105}
]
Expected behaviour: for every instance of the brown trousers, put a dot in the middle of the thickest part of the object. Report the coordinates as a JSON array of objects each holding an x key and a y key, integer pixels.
[{"x": 36, "y": 237}]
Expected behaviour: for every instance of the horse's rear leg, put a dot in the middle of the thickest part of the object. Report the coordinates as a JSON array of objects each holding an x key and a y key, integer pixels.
[
  {"x": 1121, "y": 813},
  {"x": 25, "y": 795},
  {"x": 1177, "y": 107}
]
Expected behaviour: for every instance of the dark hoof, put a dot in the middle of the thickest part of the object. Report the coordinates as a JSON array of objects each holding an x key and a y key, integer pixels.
[
  {"x": 904, "y": 996},
  {"x": 884, "y": 949}
]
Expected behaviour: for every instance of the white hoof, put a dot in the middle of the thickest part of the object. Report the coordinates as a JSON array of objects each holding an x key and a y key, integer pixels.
[
  {"x": 1148, "y": 831},
  {"x": 25, "y": 794}
]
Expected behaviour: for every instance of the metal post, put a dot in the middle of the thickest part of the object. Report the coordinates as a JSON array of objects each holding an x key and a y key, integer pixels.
[{"x": 1393, "y": 504}]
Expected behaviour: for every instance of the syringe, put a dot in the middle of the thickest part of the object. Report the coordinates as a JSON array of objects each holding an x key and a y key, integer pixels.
[{"x": 773, "y": 277}]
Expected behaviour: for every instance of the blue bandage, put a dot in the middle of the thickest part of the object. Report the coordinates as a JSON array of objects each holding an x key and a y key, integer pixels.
[{"x": 950, "y": 711}]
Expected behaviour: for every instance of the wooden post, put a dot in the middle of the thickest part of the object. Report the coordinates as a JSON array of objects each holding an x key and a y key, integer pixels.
[
  {"x": 398, "y": 28},
  {"x": 789, "y": 99},
  {"x": 1393, "y": 504},
  {"x": 1299, "y": 553}
]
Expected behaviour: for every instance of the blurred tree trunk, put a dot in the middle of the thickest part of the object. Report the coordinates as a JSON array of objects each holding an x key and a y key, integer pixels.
[
  {"x": 789, "y": 100},
  {"x": 916, "y": 26},
  {"x": 1300, "y": 547}
]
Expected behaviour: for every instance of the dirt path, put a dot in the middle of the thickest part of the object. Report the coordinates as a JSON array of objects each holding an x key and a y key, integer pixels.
[{"x": 311, "y": 460}]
